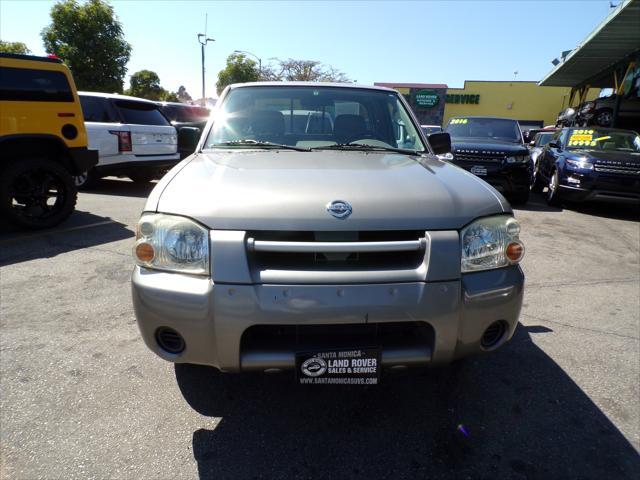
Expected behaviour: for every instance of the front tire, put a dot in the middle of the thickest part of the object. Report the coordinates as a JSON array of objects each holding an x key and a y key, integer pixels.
[
  {"x": 603, "y": 118},
  {"x": 538, "y": 183},
  {"x": 553, "y": 190},
  {"x": 86, "y": 180},
  {"x": 36, "y": 193}
]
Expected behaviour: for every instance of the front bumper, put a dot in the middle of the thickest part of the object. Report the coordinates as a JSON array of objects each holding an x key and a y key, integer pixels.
[
  {"x": 580, "y": 187},
  {"x": 140, "y": 166},
  {"x": 506, "y": 178},
  {"x": 213, "y": 318}
]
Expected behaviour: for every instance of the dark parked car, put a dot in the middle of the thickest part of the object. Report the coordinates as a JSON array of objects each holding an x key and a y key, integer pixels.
[
  {"x": 581, "y": 164},
  {"x": 538, "y": 141},
  {"x": 599, "y": 112},
  {"x": 183, "y": 115},
  {"x": 492, "y": 148}
]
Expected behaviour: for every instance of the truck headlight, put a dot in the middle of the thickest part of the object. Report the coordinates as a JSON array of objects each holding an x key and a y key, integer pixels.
[
  {"x": 171, "y": 243},
  {"x": 581, "y": 163},
  {"x": 491, "y": 242},
  {"x": 518, "y": 159}
]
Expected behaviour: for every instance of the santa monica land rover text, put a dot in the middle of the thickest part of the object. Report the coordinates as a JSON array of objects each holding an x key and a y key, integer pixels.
[{"x": 315, "y": 229}]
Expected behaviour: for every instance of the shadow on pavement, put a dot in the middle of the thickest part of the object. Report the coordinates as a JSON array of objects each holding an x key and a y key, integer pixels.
[
  {"x": 524, "y": 416},
  {"x": 121, "y": 187},
  {"x": 537, "y": 203},
  {"x": 81, "y": 230},
  {"x": 618, "y": 211}
]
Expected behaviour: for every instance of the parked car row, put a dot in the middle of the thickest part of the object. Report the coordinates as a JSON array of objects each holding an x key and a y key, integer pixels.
[
  {"x": 572, "y": 164},
  {"x": 55, "y": 140},
  {"x": 137, "y": 138}
]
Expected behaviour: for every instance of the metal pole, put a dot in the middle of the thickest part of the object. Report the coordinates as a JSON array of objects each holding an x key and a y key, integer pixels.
[{"x": 204, "y": 102}]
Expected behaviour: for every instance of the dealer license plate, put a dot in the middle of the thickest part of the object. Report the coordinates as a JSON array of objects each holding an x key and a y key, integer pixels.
[
  {"x": 358, "y": 366},
  {"x": 479, "y": 170}
]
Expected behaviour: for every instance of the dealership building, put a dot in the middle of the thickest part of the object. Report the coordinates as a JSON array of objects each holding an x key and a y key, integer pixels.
[{"x": 527, "y": 102}]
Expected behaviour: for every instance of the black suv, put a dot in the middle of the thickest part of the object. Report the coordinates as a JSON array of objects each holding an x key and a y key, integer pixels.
[{"x": 492, "y": 148}]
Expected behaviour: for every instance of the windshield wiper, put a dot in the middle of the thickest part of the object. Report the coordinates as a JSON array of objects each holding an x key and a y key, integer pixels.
[
  {"x": 366, "y": 146},
  {"x": 258, "y": 143}
]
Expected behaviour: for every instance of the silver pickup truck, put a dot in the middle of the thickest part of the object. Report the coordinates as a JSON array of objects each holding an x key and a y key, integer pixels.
[{"x": 334, "y": 243}]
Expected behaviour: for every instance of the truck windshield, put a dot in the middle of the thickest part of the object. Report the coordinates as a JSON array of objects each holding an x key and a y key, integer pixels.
[
  {"x": 607, "y": 140},
  {"x": 312, "y": 117},
  {"x": 501, "y": 129}
]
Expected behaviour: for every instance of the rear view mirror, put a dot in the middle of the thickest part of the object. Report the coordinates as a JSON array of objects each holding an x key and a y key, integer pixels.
[
  {"x": 440, "y": 143},
  {"x": 188, "y": 138}
]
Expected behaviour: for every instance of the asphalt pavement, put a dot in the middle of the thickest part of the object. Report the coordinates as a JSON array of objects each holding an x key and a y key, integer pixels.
[{"x": 82, "y": 397}]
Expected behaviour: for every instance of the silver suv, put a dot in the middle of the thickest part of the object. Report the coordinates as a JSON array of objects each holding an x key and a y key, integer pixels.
[{"x": 335, "y": 251}]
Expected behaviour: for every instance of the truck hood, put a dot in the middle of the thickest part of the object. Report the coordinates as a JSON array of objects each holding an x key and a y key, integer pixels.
[
  {"x": 289, "y": 190},
  {"x": 472, "y": 145}
]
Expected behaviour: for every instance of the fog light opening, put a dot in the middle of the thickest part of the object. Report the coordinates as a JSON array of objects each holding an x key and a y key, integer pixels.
[
  {"x": 170, "y": 340},
  {"x": 493, "y": 335}
]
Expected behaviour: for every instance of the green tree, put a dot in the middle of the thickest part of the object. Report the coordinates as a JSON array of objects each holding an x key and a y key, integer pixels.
[
  {"x": 303, "y": 70},
  {"x": 183, "y": 95},
  {"x": 145, "y": 84},
  {"x": 239, "y": 69},
  {"x": 168, "y": 96},
  {"x": 13, "y": 47},
  {"x": 90, "y": 40}
]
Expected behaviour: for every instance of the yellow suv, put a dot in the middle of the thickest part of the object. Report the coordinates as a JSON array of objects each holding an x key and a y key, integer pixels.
[{"x": 43, "y": 141}]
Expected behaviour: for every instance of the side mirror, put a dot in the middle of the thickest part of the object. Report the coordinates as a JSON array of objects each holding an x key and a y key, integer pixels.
[
  {"x": 188, "y": 138},
  {"x": 555, "y": 145},
  {"x": 440, "y": 143},
  {"x": 532, "y": 143}
]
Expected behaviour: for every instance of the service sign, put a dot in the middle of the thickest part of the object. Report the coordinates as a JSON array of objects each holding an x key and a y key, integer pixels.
[
  {"x": 359, "y": 366},
  {"x": 427, "y": 98}
]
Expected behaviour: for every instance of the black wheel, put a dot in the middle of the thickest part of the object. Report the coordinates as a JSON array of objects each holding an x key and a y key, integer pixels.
[
  {"x": 141, "y": 177},
  {"x": 553, "y": 190},
  {"x": 603, "y": 118},
  {"x": 36, "y": 193},
  {"x": 538, "y": 183},
  {"x": 519, "y": 198},
  {"x": 86, "y": 180}
]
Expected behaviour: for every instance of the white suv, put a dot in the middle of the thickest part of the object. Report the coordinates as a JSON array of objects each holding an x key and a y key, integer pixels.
[{"x": 133, "y": 138}]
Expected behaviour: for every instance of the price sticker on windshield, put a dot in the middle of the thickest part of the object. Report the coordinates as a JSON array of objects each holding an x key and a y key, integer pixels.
[
  {"x": 581, "y": 138},
  {"x": 459, "y": 121}
]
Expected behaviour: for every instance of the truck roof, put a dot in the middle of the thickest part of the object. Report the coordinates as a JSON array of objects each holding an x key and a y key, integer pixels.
[
  {"x": 311, "y": 84},
  {"x": 116, "y": 96}
]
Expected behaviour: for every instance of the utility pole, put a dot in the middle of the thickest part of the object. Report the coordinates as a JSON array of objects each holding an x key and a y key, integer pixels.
[{"x": 203, "y": 40}]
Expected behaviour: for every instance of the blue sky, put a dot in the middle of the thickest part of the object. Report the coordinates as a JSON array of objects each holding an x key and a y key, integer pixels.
[{"x": 375, "y": 41}]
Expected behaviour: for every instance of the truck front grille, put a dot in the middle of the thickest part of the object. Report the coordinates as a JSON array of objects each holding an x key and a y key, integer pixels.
[
  {"x": 379, "y": 250},
  {"x": 478, "y": 157}
]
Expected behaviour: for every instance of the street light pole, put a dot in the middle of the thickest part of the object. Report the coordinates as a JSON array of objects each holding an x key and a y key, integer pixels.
[
  {"x": 203, "y": 40},
  {"x": 254, "y": 56}
]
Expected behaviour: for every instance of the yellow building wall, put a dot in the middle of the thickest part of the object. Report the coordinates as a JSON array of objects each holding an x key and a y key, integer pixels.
[{"x": 517, "y": 100}]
